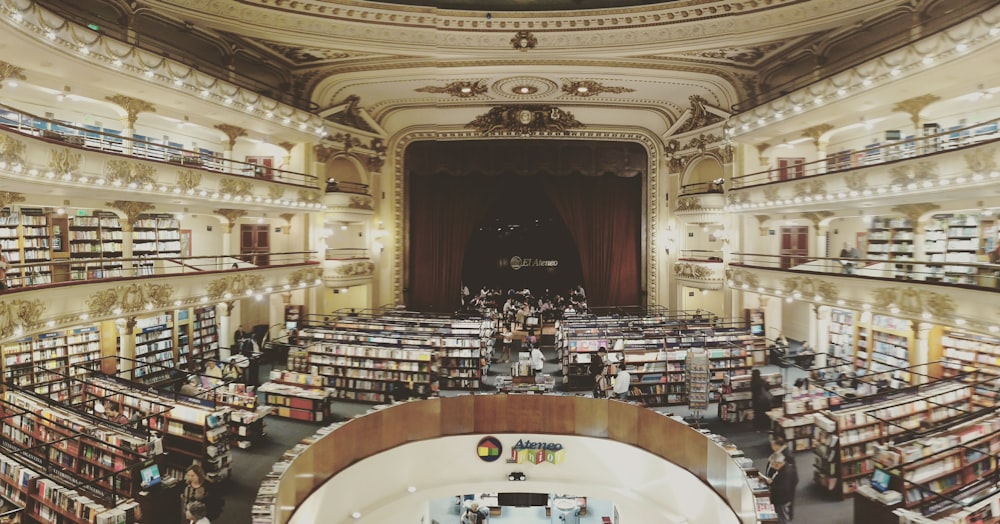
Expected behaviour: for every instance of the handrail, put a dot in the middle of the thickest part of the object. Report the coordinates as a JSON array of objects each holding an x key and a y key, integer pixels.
[
  {"x": 437, "y": 418},
  {"x": 109, "y": 142},
  {"x": 954, "y": 138}
]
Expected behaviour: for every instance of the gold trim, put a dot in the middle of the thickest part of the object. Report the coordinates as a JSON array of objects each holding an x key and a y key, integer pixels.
[
  {"x": 132, "y": 211},
  {"x": 231, "y": 131},
  {"x": 130, "y": 298},
  {"x": 913, "y": 106},
  {"x": 811, "y": 287},
  {"x": 524, "y": 120},
  {"x": 65, "y": 161},
  {"x": 234, "y": 187},
  {"x": 10, "y": 197},
  {"x": 188, "y": 179},
  {"x": 132, "y": 106},
  {"x": 19, "y": 315},
  {"x": 12, "y": 150},
  {"x": 10, "y": 71},
  {"x": 126, "y": 173},
  {"x": 458, "y": 89},
  {"x": 913, "y": 301},
  {"x": 981, "y": 159},
  {"x": 235, "y": 285},
  {"x": 231, "y": 215}
]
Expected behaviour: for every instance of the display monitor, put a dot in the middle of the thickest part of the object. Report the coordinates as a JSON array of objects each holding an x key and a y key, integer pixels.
[
  {"x": 291, "y": 325},
  {"x": 757, "y": 329},
  {"x": 880, "y": 480},
  {"x": 150, "y": 476}
]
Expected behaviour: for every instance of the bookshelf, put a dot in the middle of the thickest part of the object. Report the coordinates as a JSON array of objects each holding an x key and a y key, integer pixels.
[
  {"x": 97, "y": 236},
  {"x": 39, "y": 363},
  {"x": 842, "y": 336},
  {"x": 25, "y": 239},
  {"x": 196, "y": 434},
  {"x": 963, "y": 352},
  {"x": 754, "y": 320},
  {"x": 299, "y": 396},
  {"x": 10, "y": 246},
  {"x": 845, "y": 438},
  {"x": 794, "y": 419},
  {"x": 204, "y": 337},
  {"x": 963, "y": 245},
  {"x": 735, "y": 403},
  {"x": 154, "y": 349},
  {"x": 884, "y": 342},
  {"x": 155, "y": 236}
]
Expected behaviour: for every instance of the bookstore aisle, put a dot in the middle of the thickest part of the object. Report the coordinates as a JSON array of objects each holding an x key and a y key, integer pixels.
[{"x": 252, "y": 464}]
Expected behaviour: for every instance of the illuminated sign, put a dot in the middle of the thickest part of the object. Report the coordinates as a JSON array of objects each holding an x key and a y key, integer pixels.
[
  {"x": 536, "y": 452},
  {"x": 489, "y": 449},
  {"x": 517, "y": 262}
]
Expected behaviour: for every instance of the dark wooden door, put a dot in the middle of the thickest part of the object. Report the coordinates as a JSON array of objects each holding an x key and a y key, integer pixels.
[
  {"x": 794, "y": 246},
  {"x": 789, "y": 168},
  {"x": 255, "y": 244}
]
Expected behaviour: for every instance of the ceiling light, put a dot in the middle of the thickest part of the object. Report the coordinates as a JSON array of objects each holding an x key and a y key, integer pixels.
[
  {"x": 205, "y": 92},
  {"x": 149, "y": 73},
  {"x": 178, "y": 82},
  {"x": 961, "y": 47},
  {"x": 927, "y": 60}
]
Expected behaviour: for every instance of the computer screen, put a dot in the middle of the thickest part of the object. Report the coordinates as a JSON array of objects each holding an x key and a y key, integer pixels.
[
  {"x": 150, "y": 476},
  {"x": 756, "y": 329},
  {"x": 880, "y": 480},
  {"x": 291, "y": 324}
]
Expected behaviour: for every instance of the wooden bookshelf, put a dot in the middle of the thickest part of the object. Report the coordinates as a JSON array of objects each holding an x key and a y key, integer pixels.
[
  {"x": 735, "y": 403},
  {"x": 298, "y": 396},
  {"x": 97, "y": 237}
]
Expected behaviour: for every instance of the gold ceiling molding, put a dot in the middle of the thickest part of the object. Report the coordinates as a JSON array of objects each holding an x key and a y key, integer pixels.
[
  {"x": 360, "y": 268},
  {"x": 235, "y": 286},
  {"x": 810, "y": 187},
  {"x": 275, "y": 192},
  {"x": 689, "y": 270},
  {"x": 231, "y": 131},
  {"x": 126, "y": 173},
  {"x": 10, "y": 71},
  {"x": 698, "y": 115},
  {"x": 132, "y": 106},
  {"x": 12, "y": 151},
  {"x": 524, "y": 120},
  {"x": 130, "y": 298},
  {"x": 63, "y": 161},
  {"x": 811, "y": 287},
  {"x": 816, "y": 217},
  {"x": 903, "y": 175},
  {"x": 856, "y": 181},
  {"x": 10, "y": 197},
  {"x": 188, "y": 179},
  {"x": 914, "y": 212},
  {"x": 234, "y": 187},
  {"x": 19, "y": 315},
  {"x": 458, "y": 89},
  {"x": 305, "y": 275},
  {"x": 741, "y": 277},
  {"x": 361, "y": 202},
  {"x": 523, "y": 41},
  {"x": 816, "y": 132},
  {"x": 913, "y": 106},
  {"x": 914, "y": 301},
  {"x": 586, "y": 88},
  {"x": 287, "y": 146},
  {"x": 132, "y": 211},
  {"x": 231, "y": 215},
  {"x": 981, "y": 159}
]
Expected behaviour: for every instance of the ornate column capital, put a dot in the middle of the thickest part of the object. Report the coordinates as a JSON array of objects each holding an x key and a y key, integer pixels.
[
  {"x": 816, "y": 217},
  {"x": 288, "y": 222},
  {"x": 10, "y": 71},
  {"x": 232, "y": 215},
  {"x": 913, "y": 106},
  {"x": 132, "y": 210},
  {"x": 323, "y": 153},
  {"x": 761, "y": 147},
  {"x": 132, "y": 106},
  {"x": 914, "y": 212},
  {"x": 816, "y": 132},
  {"x": 10, "y": 197},
  {"x": 233, "y": 132}
]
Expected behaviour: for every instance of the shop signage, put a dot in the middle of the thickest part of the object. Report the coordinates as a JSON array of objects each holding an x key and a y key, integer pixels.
[
  {"x": 517, "y": 262},
  {"x": 536, "y": 452},
  {"x": 489, "y": 449}
]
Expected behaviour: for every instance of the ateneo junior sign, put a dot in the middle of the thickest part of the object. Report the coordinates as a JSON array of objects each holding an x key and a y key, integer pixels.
[
  {"x": 517, "y": 262},
  {"x": 536, "y": 452}
]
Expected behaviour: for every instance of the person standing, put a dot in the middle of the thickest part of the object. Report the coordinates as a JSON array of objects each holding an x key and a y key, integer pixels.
[
  {"x": 783, "y": 482},
  {"x": 195, "y": 513},
  {"x": 537, "y": 360},
  {"x": 598, "y": 371},
  {"x": 760, "y": 397},
  {"x": 508, "y": 341},
  {"x": 622, "y": 381},
  {"x": 195, "y": 487},
  {"x": 848, "y": 252}
]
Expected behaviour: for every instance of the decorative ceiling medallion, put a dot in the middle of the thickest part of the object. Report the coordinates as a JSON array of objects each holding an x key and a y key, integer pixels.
[
  {"x": 513, "y": 87},
  {"x": 523, "y": 41},
  {"x": 525, "y": 120},
  {"x": 461, "y": 89},
  {"x": 585, "y": 88}
]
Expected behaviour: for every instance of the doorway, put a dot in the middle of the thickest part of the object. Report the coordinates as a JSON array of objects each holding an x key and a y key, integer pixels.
[
  {"x": 794, "y": 246},
  {"x": 255, "y": 244}
]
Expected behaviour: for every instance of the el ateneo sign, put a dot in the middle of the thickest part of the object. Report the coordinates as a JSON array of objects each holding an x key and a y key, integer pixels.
[
  {"x": 490, "y": 449},
  {"x": 517, "y": 262}
]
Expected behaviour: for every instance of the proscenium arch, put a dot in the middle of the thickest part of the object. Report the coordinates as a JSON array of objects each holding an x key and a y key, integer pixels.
[{"x": 650, "y": 214}]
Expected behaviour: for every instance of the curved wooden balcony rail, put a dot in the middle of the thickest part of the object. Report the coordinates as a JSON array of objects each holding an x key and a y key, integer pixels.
[
  {"x": 625, "y": 423},
  {"x": 957, "y": 137},
  {"x": 112, "y": 142}
]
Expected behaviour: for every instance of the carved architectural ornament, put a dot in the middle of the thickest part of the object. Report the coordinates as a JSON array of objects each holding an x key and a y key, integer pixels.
[
  {"x": 361, "y": 202},
  {"x": 132, "y": 106},
  {"x": 19, "y": 315},
  {"x": 524, "y": 120},
  {"x": 9, "y": 197},
  {"x": 981, "y": 159},
  {"x": 741, "y": 277},
  {"x": 287, "y": 146},
  {"x": 523, "y": 41},
  {"x": 231, "y": 215},
  {"x": 234, "y": 286},
  {"x": 689, "y": 270},
  {"x": 816, "y": 217},
  {"x": 856, "y": 181},
  {"x": 360, "y": 268},
  {"x": 12, "y": 151},
  {"x": 811, "y": 287},
  {"x": 132, "y": 211},
  {"x": 377, "y": 160},
  {"x": 275, "y": 192},
  {"x": 459, "y": 89},
  {"x": 351, "y": 114},
  {"x": 699, "y": 115},
  {"x": 231, "y": 131},
  {"x": 761, "y": 224},
  {"x": 587, "y": 88},
  {"x": 816, "y": 132},
  {"x": 914, "y": 301},
  {"x": 324, "y": 153},
  {"x": 771, "y": 193},
  {"x": 305, "y": 275},
  {"x": 64, "y": 160},
  {"x": 235, "y": 187},
  {"x": 130, "y": 174},
  {"x": 688, "y": 203},
  {"x": 737, "y": 197},
  {"x": 914, "y": 212},
  {"x": 347, "y": 141},
  {"x": 130, "y": 298},
  {"x": 188, "y": 179},
  {"x": 913, "y": 106},
  {"x": 10, "y": 71},
  {"x": 810, "y": 187},
  {"x": 310, "y": 197},
  {"x": 287, "y": 217}
]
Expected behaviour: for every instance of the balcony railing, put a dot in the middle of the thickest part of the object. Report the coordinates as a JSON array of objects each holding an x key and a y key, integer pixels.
[
  {"x": 963, "y": 274},
  {"x": 89, "y": 270},
  {"x": 954, "y": 138},
  {"x": 111, "y": 141},
  {"x": 701, "y": 188},
  {"x": 347, "y": 253},
  {"x": 701, "y": 255},
  {"x": 335, "y": 186}
]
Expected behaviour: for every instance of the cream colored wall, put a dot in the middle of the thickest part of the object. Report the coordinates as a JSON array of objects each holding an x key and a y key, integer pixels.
[{"x": 203, "y": 241}]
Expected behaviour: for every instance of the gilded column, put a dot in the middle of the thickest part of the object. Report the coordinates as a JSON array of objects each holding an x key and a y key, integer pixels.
[
  {"x": 132, "y": 107},
  {"x": 128, "y": 214},
  {"x": 232, "y": 132}
]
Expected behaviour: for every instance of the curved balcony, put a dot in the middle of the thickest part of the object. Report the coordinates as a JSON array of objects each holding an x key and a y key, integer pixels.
[
  {"x": 59, "y": 294},
  {"x": 715, "y": 488},
  {"x": 700, "y": 269},
  {"x": 911, "y": 168},
  {"x": 348, "y": 202},
  {"x": 346, "y": 267},
  {"x": 952, "y": 294},
  {"x": 703, "y": 202}
]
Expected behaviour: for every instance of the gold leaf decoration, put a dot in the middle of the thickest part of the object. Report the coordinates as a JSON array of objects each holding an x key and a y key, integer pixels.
[
  {"x": 188, "y": 179},
  {"x": 235, "y": 286},
  {"x": 524, "y": 120},
  {"x": 138, "y": 296},
  {"x": 685, "y": 269},
  {"x": 354, "y": 269},
  {"x": 980, "y": 159},
  {"x": 10, "y": 71},
  {"x": 10, "y": 197},
  {"x": 64, "y": 160},
  {"x": 308, "y": 196},
  {"x": 812, "y": 187},
  {"x": 587, "y": 88},
  {"x": 811, "y": 287},
  {"x": 742, "y": 277},
  {"x": 131, "y": 209},
  {"x": 688, "y": 204},
  {"x": 132, "y": 106},
  {"x": 275, "y": 192},
  {"x": 914, "y": 301},
  {"x": 231, "y": 215},
  {"x": 12, "y": 151},
  {"x": 771, "y": 194},
  {"x": 126, "y": 173},
  {"x": 235, "y": 187},
  {"x": 361, "y": 202},
  {"x": 458, "y": 89},
  {"x": 856, "y": 181},
  {"x": 18, "y": 315}
]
